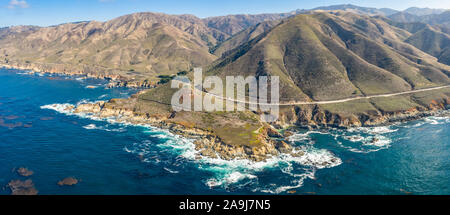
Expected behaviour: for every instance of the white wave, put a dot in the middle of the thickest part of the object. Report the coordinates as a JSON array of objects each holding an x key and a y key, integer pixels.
[
  {"x": 354, "y": 138},
  {"x": 128, "y": 150},
  {"x": 363, "y": 139},
  {"x": 68, "y": 109},
  {"x": 238, "y": 172},
  {"x": 160, "y": 136},
  {"x": 229, "y": 179},
  {"x": 379, "y": 141},
  {"x": 60, "y": 108},
  {"x": 437, "y": 120},
  {"x": 373, "y": 130},
  {"x": 367, "y": 144},
  {"x": 91, "y": 126},
  {"x": 432, "y": 120},
  {"x": 26, "y": 73},
  {"x": 419, "y": 124},
  {"x": 296, "y": 183},
  {"x": 318, "y": 158},
  {"x": 95, "y": 127},
  {"x": 297, "y": 137},
  {"x": 227, "y": 172},
  {"x": 171, "y": 171},
  {"x": 103, "y": 96}
]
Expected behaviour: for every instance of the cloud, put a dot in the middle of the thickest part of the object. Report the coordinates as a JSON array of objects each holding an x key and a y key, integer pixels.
[{"x": 13, "y": 4}]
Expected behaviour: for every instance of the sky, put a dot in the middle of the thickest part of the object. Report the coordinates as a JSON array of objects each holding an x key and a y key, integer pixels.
[{"x": 52, "y": 12}]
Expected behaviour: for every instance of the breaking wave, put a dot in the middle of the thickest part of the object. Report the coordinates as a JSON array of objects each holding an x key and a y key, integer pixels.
[
  {"x": 238, "y": 173},
  {"x": 175, "y": 152},
  {"x": 104, "y": 128},
  {"x": 65, "y": 108},
  {"x": 365, "y": 139},
  {"x": 225, "y": 173}
]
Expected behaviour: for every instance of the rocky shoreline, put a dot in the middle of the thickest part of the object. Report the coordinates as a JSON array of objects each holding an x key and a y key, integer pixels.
[
  {"x": 316, "y": 118},
  {"x": 273, "y": 142},
  {"x": 115, "y": 80},
  {"x": 206, "y": 143}
]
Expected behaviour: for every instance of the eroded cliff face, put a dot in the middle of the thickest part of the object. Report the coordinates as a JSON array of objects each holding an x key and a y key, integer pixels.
[
  {"x": 313, "y": 116},
  {"x": 214, "y": 147}
]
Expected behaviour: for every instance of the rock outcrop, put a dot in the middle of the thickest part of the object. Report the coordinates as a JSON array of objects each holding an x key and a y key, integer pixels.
[
  {"x": 19, "y": 187},
  {"x": 206, "y": 142},
  {"x": 25, "y": 172},
  {"x": 68, "y": 182},
  {"x": 270, "y": 141}
]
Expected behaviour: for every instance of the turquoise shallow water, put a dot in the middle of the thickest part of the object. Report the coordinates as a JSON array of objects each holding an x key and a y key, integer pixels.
[{"x": 110, "y": 158}]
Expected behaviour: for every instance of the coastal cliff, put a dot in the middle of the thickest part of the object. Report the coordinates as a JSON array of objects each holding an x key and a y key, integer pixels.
[
  {"x": 219, "y": 140},
  {"x": 317, "y": 116},
  {"x": 207, "y": 142},
  {"x": 319, "y": 56}
]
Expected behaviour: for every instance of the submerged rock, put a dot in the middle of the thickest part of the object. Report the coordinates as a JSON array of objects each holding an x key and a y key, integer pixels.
[
  {"x": 19, "y": 187},
  {"x": 46, "y": 118},
  {"x": 374, "y": 140},
  {"x": 24, "y": 172},
  {"x": 68, "y": 182},
  {"x": 406, "y": 192}
]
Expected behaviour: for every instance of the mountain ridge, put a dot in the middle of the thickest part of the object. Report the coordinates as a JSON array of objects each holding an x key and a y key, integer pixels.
[{"x": 319, "y": 56}]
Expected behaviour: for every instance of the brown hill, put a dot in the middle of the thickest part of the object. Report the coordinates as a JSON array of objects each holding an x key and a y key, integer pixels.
[
  {"x": 140, "y": 46},
  {"x": 326, "y": 56}
]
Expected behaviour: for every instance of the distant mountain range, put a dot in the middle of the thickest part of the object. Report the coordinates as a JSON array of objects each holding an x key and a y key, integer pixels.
[
  {"x": 326, "y": 54},
  {"x": 145, "y": 46},
  {"x": 323, "y": 56}
]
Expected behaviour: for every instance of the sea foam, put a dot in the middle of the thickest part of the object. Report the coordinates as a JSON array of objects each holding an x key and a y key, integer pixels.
[{"x": 226, "y": 173}]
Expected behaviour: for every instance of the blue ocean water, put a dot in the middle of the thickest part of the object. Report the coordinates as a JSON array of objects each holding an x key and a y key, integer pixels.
[{"x": 110, "y": 158}]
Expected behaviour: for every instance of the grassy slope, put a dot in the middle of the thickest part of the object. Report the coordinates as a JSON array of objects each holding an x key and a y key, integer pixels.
[
  {"x": 233, "y": 128},
  {"x": 323, "y": 57},
  {"x": 432, "y": 42},
  {"x": 319, "y": 57},
  {"x": 243, "y": 37}
]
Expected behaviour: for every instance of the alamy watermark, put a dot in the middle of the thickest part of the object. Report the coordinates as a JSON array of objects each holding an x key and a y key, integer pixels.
[{"x": 241, "y": 94}]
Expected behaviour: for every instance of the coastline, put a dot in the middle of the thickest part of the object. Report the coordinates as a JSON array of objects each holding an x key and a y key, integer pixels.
[
  {"x": 206, "y": 143},
  {"x": 274, "y": 141},
  {"x": 227, "y": 174},
  {"x": 115, "y": 80},
  {"x": 272, "y": 137}
]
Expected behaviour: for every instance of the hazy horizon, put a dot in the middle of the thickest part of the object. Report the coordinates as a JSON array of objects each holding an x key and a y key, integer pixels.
[{"x": 50, "y": 12}]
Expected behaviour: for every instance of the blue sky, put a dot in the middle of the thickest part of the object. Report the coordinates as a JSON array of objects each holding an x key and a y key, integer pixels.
[{"x": 51, "y": 12}]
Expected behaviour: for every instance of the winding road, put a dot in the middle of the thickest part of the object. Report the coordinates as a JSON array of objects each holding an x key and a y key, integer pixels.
[{"x": 199, "y": 92}]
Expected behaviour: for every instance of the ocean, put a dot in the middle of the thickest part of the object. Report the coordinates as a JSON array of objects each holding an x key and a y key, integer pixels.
[{"x": 107, "y": 157}]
